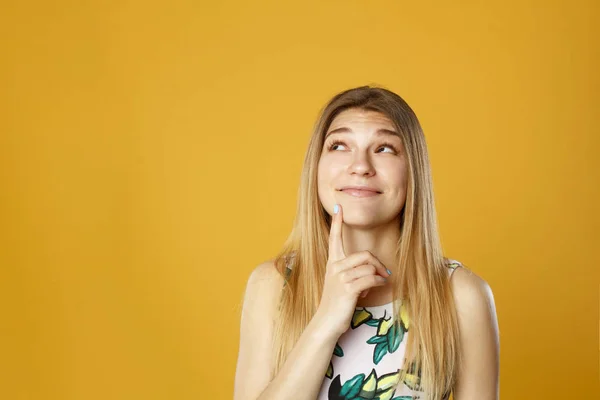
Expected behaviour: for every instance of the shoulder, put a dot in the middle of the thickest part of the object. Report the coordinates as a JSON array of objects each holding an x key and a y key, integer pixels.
[
  {"x": 264, "y": 271},
  {"x": 264, "y": 282},
  {"x": 469, "y": 289},
  {"x": 253, "y": 369},
  {"x": 263, "y": 289},
  {"x": 479, "y": 336}
]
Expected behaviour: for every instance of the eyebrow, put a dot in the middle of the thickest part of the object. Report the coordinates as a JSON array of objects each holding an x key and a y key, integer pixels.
[{"x": 381, "y": 131}]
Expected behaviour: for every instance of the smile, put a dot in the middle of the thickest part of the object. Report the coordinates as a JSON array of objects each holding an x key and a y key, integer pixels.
[{"x": 360, "y": 193}]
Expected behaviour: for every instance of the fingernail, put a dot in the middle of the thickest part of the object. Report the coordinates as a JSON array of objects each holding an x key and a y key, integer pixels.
[
  {"x": 388, "y": 271},
  {"x": 336, "y": 208}
]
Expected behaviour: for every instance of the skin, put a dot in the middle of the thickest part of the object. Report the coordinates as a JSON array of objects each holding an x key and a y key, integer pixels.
[
  {"x": 368, "y": 224},
  {"x": 362, "y": 159},
  {"x": 479, "y": 337},
  {"x": 371, "y": 224}
]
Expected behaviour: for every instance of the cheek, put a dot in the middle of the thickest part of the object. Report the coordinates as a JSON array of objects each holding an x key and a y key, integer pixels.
[
  {"x": 401, "y": 180},
  {"x": 326, "y": 183},
  {"x": 322, "y": 179},
  {"x": 395, "y": 176},
  {"x": 324, "y": 173}
]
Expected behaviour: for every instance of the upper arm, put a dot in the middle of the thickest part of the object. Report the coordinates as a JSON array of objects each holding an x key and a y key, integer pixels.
[
  {"x": 478, "y": 377},
  {"x": 253, "y": 370}
]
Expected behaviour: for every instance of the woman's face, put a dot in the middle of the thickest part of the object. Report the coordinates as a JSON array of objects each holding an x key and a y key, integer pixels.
[{"x": 361, "y": 149}]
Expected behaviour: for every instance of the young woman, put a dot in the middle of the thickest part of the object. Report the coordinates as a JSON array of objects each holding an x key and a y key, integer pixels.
[{"x": 361, "y": 303}]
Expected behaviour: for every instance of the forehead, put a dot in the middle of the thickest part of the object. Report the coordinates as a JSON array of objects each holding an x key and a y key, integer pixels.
[
  {"x": 358, "y": 120},
  {"x": 355, "y": 118}
]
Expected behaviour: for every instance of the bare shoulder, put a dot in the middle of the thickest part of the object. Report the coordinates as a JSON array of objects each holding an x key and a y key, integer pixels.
[
  {"x": 266, "y": 270},
  {"x": 262, "y": 290},
  {"x": 474, "y": 300},
  {"x": 256, "y": 330},
  {"x": 264, "y": 279},
  {"x": 469, "y": 288},
  {"x": 479, "y": 336}
]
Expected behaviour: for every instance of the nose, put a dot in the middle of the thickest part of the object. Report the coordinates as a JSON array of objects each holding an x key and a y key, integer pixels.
[{"x": 361, "y": 165}]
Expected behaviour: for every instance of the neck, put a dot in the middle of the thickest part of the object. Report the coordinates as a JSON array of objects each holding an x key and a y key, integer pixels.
[{"x": 382, "y": 242}]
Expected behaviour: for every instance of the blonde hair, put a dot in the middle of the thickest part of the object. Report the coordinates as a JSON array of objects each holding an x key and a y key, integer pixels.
[{"x": 421, "y": 284}]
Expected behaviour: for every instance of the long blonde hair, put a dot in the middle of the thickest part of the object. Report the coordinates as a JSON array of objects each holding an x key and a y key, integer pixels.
[{"x": 421, "y": 284}]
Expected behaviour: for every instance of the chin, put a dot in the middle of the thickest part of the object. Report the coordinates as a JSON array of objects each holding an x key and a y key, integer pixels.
[{"x": 362, "y": 220}]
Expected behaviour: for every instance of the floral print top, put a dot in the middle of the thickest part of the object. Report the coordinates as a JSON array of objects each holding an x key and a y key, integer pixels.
[{"x": 365, "y": 361}]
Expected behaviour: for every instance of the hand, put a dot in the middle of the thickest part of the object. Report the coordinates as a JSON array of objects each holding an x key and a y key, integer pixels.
[{"x": 346, "y": 277}]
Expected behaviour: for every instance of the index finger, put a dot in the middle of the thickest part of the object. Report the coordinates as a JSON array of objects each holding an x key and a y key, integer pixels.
[{"x": 336, "y": 246}]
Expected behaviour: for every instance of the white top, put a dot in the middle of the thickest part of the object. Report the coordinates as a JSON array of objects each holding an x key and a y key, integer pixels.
[{"x": 365, "y": 362}]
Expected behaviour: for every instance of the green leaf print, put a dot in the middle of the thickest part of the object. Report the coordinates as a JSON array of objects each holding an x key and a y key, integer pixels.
[
  {"x": 403, "y": 398},
  {"x": 329, "y": 372},
  {"x": 377, "y": 339},
  {"x": 384, "y": 325},
  {"x": 389, "y": 335},
  {"x": 369, "y": 387},
  {"x": 394, "y": 337},
  {"x": 380, "y": 350},
  {"x": 338, "y": 351},
  {"x": 386, "y": 394},
  {"x": 352, "y": 387},
  {"x": 360, "y": 317},
  {"x": 388, "y": 381}
]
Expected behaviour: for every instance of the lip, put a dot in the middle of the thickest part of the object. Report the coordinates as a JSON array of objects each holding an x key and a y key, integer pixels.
[
  {"x": 360, "y": 191},
  {"x": 363, "y": 188}
]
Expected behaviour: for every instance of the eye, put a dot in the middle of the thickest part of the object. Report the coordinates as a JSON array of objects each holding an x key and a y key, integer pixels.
[
  {"x": 335, "y": 143},
  {"x": 383, "y": 145},
  {"x": 389, "y": 145}
]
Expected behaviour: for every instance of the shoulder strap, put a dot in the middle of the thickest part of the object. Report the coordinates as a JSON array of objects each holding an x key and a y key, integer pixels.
[
  {"x": 453, "y": 266},
  {"x": 288, "y": 266}
]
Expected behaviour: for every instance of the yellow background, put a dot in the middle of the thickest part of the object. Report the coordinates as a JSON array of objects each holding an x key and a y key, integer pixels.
[{"x": 150, "y": 155}]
